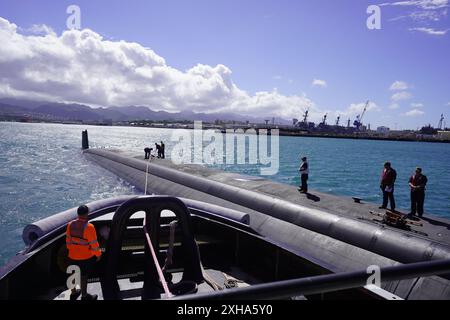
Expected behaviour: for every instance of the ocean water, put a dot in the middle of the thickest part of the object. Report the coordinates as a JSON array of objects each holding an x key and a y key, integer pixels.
[{"x": 42, "y": 170}]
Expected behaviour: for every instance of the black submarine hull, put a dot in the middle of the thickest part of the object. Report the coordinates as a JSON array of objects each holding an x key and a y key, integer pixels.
[{"x": 338, "y": 242}]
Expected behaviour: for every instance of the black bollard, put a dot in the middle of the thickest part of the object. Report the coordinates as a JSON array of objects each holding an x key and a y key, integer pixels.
[{"x": 84, "y": 140}]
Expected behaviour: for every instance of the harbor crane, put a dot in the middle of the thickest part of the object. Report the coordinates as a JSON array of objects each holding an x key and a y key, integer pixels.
[
  {"x": 358, "y": 122},
  {"x": 305, "y": 116},
  {"x": 324, "y": 119},
  {"x": 338, "y": 119},
  {"x": 441, "y": 122}
]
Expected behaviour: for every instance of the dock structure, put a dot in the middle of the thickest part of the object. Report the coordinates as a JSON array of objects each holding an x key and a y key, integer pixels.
[{"x": 336, "y": 232}]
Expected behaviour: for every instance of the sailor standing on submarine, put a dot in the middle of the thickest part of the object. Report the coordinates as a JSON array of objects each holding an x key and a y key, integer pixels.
[
  {"x": 304, "y": 172},
  {"x": 388, "y": 177}
]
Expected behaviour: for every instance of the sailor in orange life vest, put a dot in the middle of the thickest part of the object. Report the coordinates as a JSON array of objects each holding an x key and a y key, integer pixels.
[{"x": 84, "y": 250}]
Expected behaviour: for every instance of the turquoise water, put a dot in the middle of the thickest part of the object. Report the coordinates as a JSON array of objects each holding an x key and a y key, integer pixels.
[{"x": 42, "y": 170}]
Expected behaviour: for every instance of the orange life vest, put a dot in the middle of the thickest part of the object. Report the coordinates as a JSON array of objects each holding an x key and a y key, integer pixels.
[{"x": 81, "y": 240}]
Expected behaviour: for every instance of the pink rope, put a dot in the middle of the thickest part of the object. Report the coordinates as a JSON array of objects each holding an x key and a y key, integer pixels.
[{"x": 155, "y": 260}]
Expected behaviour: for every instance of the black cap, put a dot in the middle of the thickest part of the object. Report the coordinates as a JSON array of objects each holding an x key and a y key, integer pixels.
[
  {"x": 303, "y": 158},
  {"x": 83, "y": 210}
]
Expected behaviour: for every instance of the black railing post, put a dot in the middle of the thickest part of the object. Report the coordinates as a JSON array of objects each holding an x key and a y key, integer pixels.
[{"x": 325, "y": 283}]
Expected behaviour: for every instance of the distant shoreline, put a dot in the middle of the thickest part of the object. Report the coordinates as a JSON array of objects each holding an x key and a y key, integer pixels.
[
  {"x": 282, "y": 132},
  {"x": 337, "y": 136}
]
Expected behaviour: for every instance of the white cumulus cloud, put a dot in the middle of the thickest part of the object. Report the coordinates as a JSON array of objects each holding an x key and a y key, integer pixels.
[
  {"x": 414, "y": 113},
  {"x": 80, "y": 66},
  {"x": 402, "y": 95},
  {"x": 430, "y": 31},
  {"x": 399, "y": 85},
  {"x": 357, "y": 108},
  {"x": 422, "y": 13},
  {"x": 394, "y": 106},
  {"x": 417, "y": 105},
  {"x": 39, "y": 29},
  {"x": 319, "y": 83},
  {"x": 428, "y": 15},
  {"x": 423, "y": 4}
]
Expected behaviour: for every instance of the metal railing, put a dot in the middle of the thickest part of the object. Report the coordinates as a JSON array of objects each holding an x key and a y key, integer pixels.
[{"x": 324, "y": 283}]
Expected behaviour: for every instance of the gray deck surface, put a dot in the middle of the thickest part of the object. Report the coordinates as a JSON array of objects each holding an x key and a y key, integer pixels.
[
  {"x": 132, "y": 290},
  {"x": 433, "y": 227},
  {"x": 359, "y": 241}
]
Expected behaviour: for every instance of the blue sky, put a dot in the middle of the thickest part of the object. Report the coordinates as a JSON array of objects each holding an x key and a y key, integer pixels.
[{"x": 281, "y": 47}]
